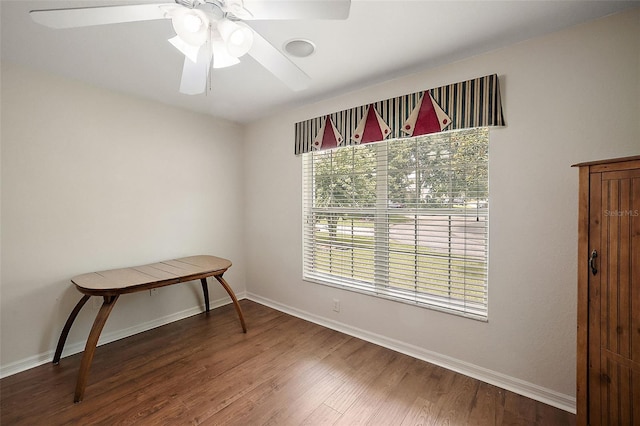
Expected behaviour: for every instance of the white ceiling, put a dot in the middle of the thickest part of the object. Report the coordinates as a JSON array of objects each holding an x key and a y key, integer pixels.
[{"x": 380, "y": 40}]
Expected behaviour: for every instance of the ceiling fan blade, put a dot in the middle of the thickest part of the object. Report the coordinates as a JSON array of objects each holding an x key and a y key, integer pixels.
[
  {"x": 88, "y": 16},
  {"x": 194, "y": 74},
  {"x": 278, "y": 64},
  {"x": 297, "y": 9}
]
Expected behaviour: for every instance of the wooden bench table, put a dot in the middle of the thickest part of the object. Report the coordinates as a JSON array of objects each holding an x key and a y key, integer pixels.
[{"x": 111, "y": 284}]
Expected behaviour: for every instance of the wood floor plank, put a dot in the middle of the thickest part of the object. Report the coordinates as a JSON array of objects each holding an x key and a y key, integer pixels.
[
  {"x": 369, "y": 403},
  {"x": 371, "y": 360},
  {"x": 488, "y": 406},
  {"x": 396, "y": 404},
  {"x": 284, "y": 371},
  {"x": 519, "y": 408},
  {"x": 322, "y": 416},
  {"x": 299, "y": 409},
  {"x": 421, "y": 412},
  {"x": 455, "y": 405}
]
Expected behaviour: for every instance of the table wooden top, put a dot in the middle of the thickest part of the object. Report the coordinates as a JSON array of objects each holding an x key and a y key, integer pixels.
[{"x": 144, "y": 277}]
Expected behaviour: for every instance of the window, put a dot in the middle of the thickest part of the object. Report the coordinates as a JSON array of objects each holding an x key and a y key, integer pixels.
[{"x": 405, "y": 219}]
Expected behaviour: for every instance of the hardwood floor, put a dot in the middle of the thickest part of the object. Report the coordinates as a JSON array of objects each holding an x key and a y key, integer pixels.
[{"x": 284, "y": 371}]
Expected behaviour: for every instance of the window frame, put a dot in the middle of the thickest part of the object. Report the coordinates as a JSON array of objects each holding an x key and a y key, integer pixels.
[{"x": 381, "y": 211}]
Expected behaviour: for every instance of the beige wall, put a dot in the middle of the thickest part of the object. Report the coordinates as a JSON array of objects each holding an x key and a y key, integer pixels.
[
  {"x": 94, "y": 180},
  {"x": 568, "y": 97}
]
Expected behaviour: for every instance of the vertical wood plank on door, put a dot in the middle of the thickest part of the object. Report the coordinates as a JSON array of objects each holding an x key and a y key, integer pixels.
[
  {"x": 635, "y": 390},
  {"x": 593, "y": 283},
  {"x": 634, "y": 284},
  {"x": 635, "y": 276},
  {"x": 609, "y": 244},
  {"x": 625, "y": 395},
  {"x": 624, "y": 273},
  {"x": 612, "y": 241},
  {"x": 624, "y": 297}
]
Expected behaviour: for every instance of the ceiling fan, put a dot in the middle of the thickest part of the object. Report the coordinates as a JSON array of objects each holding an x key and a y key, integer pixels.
[{"x": 210, "y": 33}]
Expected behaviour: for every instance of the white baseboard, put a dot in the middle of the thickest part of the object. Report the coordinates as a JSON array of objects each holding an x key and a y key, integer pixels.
[
  {"x": 521, "y": 387},
  {"x": 76, "y": 347}
]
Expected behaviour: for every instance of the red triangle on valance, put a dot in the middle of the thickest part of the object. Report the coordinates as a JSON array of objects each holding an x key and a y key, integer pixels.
[
  {"x": 427, "y": 117},
  {"x": 328, "y": 137},
  {"x": 372, "y": 128}
]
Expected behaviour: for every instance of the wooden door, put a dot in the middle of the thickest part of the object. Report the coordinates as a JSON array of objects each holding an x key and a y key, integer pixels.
[{"x": 614, "y": 296}]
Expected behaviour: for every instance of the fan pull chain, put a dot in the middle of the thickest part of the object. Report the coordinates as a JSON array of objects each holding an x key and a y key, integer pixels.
[{"x": 210, "y": 69}]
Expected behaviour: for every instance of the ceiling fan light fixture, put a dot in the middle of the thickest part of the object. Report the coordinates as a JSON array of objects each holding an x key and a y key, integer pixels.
[
  {"x": 221, "y": 56},
  {"x": 238, "y": 37},
  {"x": 191, "y": 25}
]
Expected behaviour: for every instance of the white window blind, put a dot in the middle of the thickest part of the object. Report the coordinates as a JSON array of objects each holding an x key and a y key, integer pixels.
[{"x": 404, "y": 219}]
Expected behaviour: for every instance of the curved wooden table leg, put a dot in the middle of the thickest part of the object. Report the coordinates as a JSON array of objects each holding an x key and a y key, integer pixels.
[
  {"x": 205, "y": 292},
  {"x": 67, "y": 327},
  {"x": 90, "y": 347},
  {"x": 235, "y": 300}
]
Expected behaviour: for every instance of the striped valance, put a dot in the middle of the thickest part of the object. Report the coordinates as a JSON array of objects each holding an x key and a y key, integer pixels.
[{"x": 468, "y": 104}]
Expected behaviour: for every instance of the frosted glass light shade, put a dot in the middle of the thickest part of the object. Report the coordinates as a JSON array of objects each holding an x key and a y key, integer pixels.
[
  {"x": 237, "y": 36},
  {"x": 221, "y": 56},
  {"x": 191, "y": 25}
]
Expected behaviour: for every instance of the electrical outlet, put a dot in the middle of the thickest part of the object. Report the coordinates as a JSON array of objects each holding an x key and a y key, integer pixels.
[{"x": 336, "y": 305}]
